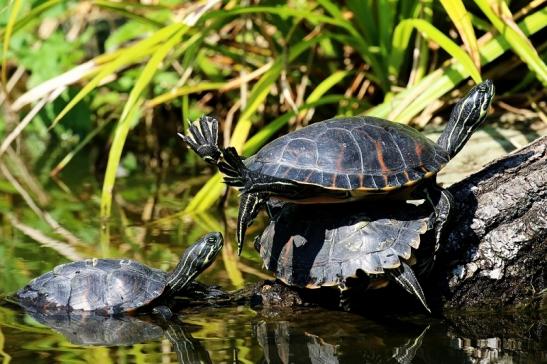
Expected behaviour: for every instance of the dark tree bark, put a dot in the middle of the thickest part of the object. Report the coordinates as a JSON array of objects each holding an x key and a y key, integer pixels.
[{"x": 496, "y": 249}]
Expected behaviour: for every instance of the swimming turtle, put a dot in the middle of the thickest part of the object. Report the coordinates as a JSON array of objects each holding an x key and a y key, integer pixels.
[
  {"x": 309, "y": 247},
  {"x": 344, "y": 159},
  {"x": 113, "y": 286}
]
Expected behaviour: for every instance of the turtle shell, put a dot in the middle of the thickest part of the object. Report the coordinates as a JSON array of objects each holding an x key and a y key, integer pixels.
[
  {"x": 309, "y": 247},
  {"x": 354, "y": 153},
  {"x": 109, "y": 286}
]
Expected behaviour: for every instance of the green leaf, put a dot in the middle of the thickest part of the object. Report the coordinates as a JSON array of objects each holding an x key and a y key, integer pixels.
[
  {"x": 462, "y": 20},
  {"x": 123, "y": 57},
  {"x": 517, "y": 40},
  {"x": 128, "y": 116},
  {"x": 445, "y": 79},
  {"x": 429, "y": 31},
  {"x": 7, "y": 37}
]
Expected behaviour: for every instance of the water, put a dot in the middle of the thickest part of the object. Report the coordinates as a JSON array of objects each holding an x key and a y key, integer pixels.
[{"x": 241, "y": 335}]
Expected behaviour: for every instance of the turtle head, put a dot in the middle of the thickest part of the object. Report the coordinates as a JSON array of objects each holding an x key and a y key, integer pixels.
[
  {"x": 468, "y": 114},
  {"x": 198, "y": 257}
]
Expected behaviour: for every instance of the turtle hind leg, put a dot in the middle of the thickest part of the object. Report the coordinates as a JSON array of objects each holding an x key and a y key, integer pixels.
[
  {"x": 405, "y": 277},
  {"x": 351, "y": 291},
  {"x": 346, "y": 296}
]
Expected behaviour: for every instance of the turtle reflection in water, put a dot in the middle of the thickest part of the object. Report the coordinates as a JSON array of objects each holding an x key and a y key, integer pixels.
[
  {"x": 345, "y": 159},
  {"x": 292, "y": 342},
  {"x": 90, "y": 328},
  {"x": 310, "y": 248},
  {"x": 114, "y": 286}
]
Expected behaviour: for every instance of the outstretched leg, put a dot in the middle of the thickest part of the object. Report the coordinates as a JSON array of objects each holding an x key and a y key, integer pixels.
[
  {"x": 202, "y": 138},
  {"x": 249, "y": 206},
  {"x": 406, "y": 279},
  {"x": 442, "y": 202}
]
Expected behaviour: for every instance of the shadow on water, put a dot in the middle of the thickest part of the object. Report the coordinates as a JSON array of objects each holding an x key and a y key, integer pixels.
[{"x": 240, "y": 335}]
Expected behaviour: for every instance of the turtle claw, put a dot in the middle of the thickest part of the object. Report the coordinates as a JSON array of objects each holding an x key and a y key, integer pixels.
[{"x": 202, "y": 139}]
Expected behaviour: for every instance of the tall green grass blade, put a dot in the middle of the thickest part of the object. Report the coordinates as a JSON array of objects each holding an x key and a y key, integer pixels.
[
  {"x": 128, "y": 113},
  {"x": 33, "y": 15},
  {"x": 517, "y": 39},
  {"x": 444, "y": 79},
  {"x": 462, "y": 20},
  {"x": 399, "y": 45},
  {"x": 114, "y": 155},
  {"x": 207, "y": 195},
  {"x": 266, "y": 132},
  {"x": 183, "y": 91},
  {"x": 6, "y": 358},
  {"x": 128, "y": 55},
  {"x": 429, "y": 31},
  {"x": 7, "y": 38},
  {"x": 261, "y": 89}
]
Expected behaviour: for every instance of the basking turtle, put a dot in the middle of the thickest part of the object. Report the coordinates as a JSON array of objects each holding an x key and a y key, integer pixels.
[
  {"x": 344, "y": 159},
  {"x": 312, "y": 248},
  {"x": 113, "y": 286}
]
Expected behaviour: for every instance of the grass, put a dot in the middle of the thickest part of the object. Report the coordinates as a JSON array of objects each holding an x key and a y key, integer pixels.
[{"x": 263, "y": 68}]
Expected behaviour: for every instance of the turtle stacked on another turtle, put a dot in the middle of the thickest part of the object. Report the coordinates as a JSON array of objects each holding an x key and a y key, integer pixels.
[{"x": 346, "y": 159}]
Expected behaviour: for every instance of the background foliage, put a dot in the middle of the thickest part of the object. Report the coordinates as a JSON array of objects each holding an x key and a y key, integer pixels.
[{"x": 93, "y": 92}]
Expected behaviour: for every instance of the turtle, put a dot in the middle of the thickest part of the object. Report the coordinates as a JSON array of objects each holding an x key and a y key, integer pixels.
[
  {"x": 344, "y": 159},
  {"x": 311, "y": 248},
  {"x": 115, "y": 286}
]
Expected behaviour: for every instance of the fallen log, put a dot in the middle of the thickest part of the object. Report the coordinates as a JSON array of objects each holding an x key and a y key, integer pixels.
[{"x": 496, "y": 247}]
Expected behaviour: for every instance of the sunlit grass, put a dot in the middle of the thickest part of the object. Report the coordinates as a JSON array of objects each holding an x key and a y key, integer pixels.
[{"x": 261, "y": 69}]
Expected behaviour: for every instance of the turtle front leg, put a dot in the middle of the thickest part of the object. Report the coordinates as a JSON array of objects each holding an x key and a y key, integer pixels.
[
  {"x": 442, "y": 202},
  {"x": 249, "y": 206},
  {"x": 163, "y": 312}
]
